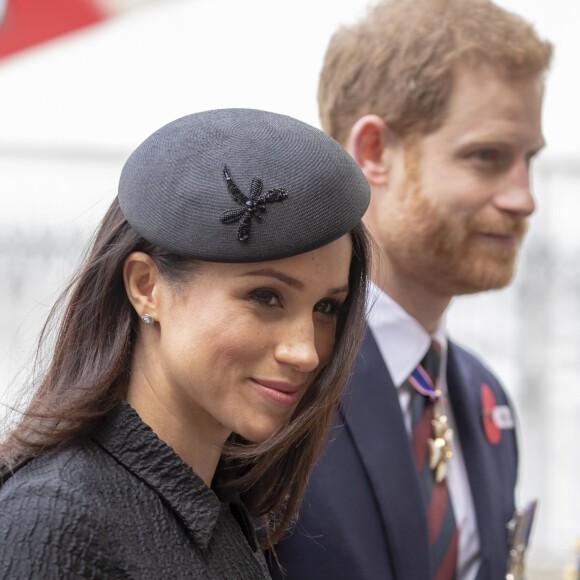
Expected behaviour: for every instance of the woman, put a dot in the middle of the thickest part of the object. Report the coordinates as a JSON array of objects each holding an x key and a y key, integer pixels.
[{"x": 199, "y": 358}]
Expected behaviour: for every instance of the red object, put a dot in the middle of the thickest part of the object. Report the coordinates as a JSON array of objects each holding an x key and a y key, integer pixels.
[
  {"x": 25, "y": 23},
  {"x": 492, "y": 431}
]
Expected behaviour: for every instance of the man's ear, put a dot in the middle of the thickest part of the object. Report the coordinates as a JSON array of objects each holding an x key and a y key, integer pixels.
[
  {"x": 369, "y": 143},
  {"x": 141, "y": 278}
]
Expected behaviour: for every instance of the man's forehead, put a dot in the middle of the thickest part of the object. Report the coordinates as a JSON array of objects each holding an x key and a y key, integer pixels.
[{"x": 483, "y": 99}]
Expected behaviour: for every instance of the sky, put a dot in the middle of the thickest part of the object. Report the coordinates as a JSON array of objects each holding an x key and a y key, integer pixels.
[{"x": 106, "y": 87}]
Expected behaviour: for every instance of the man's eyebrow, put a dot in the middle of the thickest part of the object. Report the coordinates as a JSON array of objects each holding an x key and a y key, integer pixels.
[{"x": 289, "y": 280}]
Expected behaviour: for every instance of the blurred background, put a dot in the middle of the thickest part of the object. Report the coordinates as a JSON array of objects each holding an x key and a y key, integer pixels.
[{"x": 82, "y": 82}]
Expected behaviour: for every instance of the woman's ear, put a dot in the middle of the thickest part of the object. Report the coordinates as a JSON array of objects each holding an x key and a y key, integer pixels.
[
  {"x": 141, "y": 278},
  {"x": 369, "y": 143}
]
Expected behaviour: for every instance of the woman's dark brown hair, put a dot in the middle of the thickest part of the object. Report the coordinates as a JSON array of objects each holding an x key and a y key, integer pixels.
[{"x": 87, "y": 374}]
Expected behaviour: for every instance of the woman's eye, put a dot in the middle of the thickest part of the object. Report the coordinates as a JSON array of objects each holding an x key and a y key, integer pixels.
[
  {"x": 329, "y": 307},
  {"x": 267, "y": 297}
]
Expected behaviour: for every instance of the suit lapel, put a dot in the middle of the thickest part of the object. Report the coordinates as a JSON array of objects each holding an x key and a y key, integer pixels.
[
  {"x": 463, "y": 388},
  {"x": 373, "y": 416}
]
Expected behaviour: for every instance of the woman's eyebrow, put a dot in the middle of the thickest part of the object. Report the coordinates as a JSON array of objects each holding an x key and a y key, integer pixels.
[
  {"x": 289, "y": 280},
  {"x": 339, "y": 290}
]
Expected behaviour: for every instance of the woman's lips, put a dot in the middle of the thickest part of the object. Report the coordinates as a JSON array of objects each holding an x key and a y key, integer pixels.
[{"x": 281, "y": 392}]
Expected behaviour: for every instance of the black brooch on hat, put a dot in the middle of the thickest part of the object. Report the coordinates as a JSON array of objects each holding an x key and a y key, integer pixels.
[{"x": 252, "y": 206}]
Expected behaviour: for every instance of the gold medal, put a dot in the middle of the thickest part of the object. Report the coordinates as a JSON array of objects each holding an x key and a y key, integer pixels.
[{"x": 441, "y": 444}]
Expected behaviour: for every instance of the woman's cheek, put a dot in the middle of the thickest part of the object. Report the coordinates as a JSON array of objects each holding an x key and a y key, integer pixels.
[{"x": 325, "y": 342}]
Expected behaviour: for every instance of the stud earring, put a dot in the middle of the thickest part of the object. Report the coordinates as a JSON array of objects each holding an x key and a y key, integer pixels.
[{"x": 147, "y": 319}]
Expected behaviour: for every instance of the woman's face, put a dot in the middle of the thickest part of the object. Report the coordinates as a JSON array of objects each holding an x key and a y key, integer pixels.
[{"x": 239, "y": 344}]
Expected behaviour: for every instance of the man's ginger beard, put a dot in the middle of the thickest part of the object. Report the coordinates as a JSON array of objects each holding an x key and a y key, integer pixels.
[{"x": 443, "y": 251}]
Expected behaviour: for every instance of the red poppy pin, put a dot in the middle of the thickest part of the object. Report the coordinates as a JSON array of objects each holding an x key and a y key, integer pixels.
[{"x": 488, "y": 407}]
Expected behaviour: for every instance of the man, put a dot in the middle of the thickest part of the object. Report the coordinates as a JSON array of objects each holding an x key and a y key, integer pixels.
[{"x": 439, "y": 102}]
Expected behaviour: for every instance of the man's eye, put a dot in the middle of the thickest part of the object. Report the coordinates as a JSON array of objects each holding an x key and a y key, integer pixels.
[
  {"x": 488, "y": 155},
  {"x": 265, "y": 296},
  {"x": 530, "y": 157}
]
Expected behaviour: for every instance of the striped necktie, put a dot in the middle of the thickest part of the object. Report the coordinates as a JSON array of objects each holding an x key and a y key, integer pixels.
[{"x": 431, "y": 441}]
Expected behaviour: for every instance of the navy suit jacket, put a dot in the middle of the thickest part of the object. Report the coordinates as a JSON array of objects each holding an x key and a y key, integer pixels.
[{"x": 363, "y": 516}]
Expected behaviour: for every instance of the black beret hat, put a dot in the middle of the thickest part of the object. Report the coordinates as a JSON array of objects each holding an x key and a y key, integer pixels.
[{"x": 241, "y": 185}]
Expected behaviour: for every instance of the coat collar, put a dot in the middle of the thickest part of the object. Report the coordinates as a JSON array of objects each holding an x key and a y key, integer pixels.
[{"x": 136, "y": 447}]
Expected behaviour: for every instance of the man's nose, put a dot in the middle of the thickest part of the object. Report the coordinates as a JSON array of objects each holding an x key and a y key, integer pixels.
[{"x": 516, "y": 197}]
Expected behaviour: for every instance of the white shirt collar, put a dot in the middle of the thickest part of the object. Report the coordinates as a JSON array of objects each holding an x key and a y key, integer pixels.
[{"x": 402, "y": 341}]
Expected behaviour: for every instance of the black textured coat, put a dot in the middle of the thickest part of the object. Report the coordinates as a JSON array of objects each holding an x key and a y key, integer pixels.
[{"x": 121, "y": 504}]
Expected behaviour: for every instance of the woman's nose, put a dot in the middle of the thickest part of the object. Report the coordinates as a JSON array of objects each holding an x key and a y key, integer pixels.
[{"x": 297, "y": 346}]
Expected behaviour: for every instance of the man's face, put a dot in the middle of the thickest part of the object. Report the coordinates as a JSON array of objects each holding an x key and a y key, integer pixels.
[{"x": 457, "y": 206}]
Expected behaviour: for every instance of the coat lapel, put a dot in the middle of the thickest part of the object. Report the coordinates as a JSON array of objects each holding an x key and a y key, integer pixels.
[
  {"x": 463, "y": 386},
  {"x": 373, "y": 416}
]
